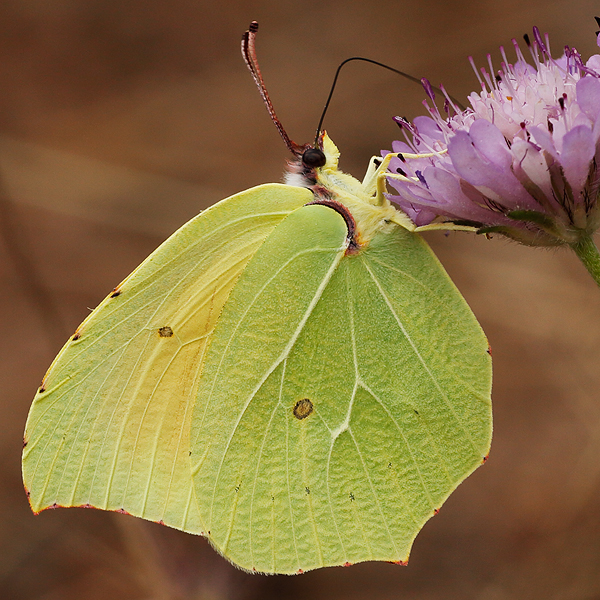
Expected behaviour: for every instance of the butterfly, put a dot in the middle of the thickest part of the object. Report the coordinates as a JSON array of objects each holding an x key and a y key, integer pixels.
[{"x": 292, "y": 374}]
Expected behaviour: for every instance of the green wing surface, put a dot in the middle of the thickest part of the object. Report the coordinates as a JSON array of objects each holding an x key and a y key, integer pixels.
[
  {"x": 344, "y": 396},
  {"x": 110, "y": 424}
]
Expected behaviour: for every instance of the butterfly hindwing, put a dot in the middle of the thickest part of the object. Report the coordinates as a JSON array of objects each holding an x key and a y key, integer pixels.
[{"x": 345, "y": 395}]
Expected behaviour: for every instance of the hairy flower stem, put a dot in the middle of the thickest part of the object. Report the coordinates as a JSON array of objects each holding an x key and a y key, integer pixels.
[{"x": 588, "y": 254}]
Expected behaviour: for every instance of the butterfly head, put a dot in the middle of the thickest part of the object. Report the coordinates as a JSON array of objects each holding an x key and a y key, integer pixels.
[
  {"x": 316, "y": 167},
  {"x": 309, "y": 162}
]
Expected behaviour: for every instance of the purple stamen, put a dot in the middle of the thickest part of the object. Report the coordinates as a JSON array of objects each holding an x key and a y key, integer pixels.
[
  {"x": 476, "y": 71},
  {"x": 428, "y": 89},
  {"x": 491, "y": 66},
  {"x": 540, "y": 43},
  {"x": 487, "y": 79}
]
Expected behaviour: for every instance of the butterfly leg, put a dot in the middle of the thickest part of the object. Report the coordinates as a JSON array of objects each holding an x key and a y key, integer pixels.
[{"x": 382, "y": 176}]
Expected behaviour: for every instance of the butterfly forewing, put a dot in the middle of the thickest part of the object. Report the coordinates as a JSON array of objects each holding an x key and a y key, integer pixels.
[{"x": 110, "y": 425}]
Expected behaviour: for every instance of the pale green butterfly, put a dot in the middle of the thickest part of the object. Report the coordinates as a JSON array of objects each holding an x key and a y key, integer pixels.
[{"x": 291, "y": 374}]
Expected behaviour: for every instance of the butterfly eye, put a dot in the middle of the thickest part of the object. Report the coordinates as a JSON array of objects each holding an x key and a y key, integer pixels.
[{"x": 313, "y": 157}]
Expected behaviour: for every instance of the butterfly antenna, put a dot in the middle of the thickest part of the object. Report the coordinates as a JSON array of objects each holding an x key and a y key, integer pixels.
[
  {"x": 249, "y": 54},
  {"x": 373, "y": 62}
]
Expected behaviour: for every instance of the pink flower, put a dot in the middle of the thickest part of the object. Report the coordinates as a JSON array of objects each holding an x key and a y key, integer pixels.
[{"x": 522, "y": 161}]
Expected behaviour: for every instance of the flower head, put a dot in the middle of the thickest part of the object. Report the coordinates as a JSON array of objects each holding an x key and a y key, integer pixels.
[{"x": 522, "y": 161}]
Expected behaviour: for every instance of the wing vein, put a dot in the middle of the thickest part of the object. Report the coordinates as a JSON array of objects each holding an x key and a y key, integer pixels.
[
  {"x": 258, "y": 461},
  {"x": 421, "y": 359},
  {"x": 375, "y": 495},
  {"x": 285, "y": 351}
]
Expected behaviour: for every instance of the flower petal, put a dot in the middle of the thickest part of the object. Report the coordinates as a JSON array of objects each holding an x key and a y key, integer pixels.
[
  {"x": 578, "y": 149},
  {"x": 543, "y": 138},
  {"x": 588, "y": 96},
  {"x": 498, "y": 184},
  {"x": 488, "y": 139},
  {"x": 445, "y": 188},
  {"x": 530, "y": 164},
  {"x": 593, "y": 62},
  {"x": 428, "y": 128}
]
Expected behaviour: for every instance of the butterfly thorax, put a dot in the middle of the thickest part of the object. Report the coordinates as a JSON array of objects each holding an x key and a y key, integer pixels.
[{"x": 372, "y": 212}]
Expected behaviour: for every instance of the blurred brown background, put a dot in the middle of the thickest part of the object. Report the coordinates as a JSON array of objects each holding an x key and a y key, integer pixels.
[{"x": 119, "y": 120}]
